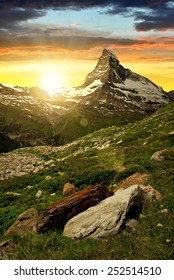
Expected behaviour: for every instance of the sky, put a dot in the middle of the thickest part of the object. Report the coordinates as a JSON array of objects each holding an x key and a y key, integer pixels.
[{"x": 56, "y": 43}]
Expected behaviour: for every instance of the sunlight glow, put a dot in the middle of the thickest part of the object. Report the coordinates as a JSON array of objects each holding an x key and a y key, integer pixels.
[{"x": 51, "y": 81}]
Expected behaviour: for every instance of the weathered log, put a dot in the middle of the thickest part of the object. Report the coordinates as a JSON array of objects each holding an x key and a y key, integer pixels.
[{"x": 57, "y": 214}]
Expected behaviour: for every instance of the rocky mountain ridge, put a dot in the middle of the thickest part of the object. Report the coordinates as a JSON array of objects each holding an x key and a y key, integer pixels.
[{"x": 124, "y": 84}]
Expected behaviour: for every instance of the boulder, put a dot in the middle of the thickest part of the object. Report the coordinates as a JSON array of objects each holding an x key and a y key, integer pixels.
[
  {"x": 24, "y": 223},
  {"x": 134, "y": 179},
  {"x": 109, "y": 216},
  {"x": 57, "y": 214},
  {"x": 69, "y": 189}
]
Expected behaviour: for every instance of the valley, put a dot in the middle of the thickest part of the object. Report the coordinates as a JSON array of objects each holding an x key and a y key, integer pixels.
[{"x": 107, "y": 157}]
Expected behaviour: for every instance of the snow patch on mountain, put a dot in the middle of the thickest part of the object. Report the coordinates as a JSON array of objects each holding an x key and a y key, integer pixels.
[{"x": 87, "y": 90}]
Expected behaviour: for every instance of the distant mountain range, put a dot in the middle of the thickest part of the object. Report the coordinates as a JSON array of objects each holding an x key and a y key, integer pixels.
[{"x": 111, "y": 95}]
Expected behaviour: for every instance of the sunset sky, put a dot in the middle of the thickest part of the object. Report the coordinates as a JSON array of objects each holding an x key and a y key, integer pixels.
[{"x": 60, "y": 41}]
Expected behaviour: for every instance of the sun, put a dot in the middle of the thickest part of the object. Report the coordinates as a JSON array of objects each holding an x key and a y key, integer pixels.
[{"x": 51, "y": 81}]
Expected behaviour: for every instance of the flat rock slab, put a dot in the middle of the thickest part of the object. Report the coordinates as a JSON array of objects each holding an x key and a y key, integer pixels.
[
  {"x": 57, "y": 214},
  {"x": 109, "y": 215}
]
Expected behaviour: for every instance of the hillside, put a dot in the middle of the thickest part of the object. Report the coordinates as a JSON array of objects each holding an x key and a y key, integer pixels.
[{"x": 107, "y": 156}]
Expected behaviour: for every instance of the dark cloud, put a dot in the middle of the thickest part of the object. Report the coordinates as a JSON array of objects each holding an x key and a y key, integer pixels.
[
  {"x": 148, "y": 14},
  {"x": 57, "y": 4},
  {"x": 159, "y": 19},
  {"x": 80, "y": 4},
  {"x": 14, "y": 16}
]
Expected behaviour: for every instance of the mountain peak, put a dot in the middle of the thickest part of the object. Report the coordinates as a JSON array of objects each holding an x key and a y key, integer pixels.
[
  {"x": 107, "y": 52},
  {"x": 107, "y": 62},
  {"x": 111, "y": 80}
]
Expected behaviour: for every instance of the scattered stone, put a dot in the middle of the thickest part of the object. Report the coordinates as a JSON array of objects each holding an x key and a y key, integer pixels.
[
  {"x": 164, "y": 210},
  {"x": 136, "y": 178},
  {"x": 171, "y": 133},
  {"x": 69, "y": 189},
  {"x": 50, "y": 162},
  {"x": 14, "y": 164},
  {"x": 57, "y": 214},
  {"x": 159, "y": 225},
  {"x": 132, "y": 224},
  {"x": 24, "y": 223},
  {"x": 48, "y": 178},
  {"x": 142, "y": 216},
  {"x": 119, "y": 142},
  {"x": 109, "y": 216},
  {"x": 39, "y": 194},
  {"x": 53, "y": 194},
  {"x": 29, "y": 187},
  {"x": 61, "y": 173},
  {"x": 158, "y": 155}
]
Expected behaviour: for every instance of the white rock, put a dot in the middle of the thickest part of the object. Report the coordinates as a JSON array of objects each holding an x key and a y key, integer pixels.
[
  {"x": 164, "y": 210},
  {"x": 29, "y": 187},
  {"x": 39, "y": 194},
  {"x": 159, "y": 225},
  {"x": 158, "y": 156},
  {"x": 48, "y": 178}
]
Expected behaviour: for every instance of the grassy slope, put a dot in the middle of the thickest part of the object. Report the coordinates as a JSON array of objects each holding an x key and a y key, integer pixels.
[
  {"x": 82, "y": 120},
  {"x": 22, "y": 127},
  {"x": 107, "y": 156}
]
